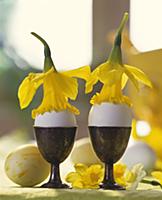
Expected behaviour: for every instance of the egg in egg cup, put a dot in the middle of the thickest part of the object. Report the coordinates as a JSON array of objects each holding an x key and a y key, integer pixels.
[
  {"x": 110, "y": 116},
  {"x": 55, "y": 135},
  {"x": 109, "y": 128},
  {"x": 55, "y": 124}
]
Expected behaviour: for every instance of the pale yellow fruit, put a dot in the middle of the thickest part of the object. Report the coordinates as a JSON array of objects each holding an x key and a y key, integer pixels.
[{"x": 26, "y": 167}]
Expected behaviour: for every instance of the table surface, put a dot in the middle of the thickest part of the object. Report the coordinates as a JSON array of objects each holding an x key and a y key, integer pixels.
[{"x": 17, "y": 193}]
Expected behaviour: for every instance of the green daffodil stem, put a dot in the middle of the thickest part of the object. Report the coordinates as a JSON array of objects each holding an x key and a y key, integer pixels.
[
  {"x": 48, "y": 62},
  {"x": 116, "y": 54},
  {"x": 154, "y": 183},
  {"x": 122, "y": 24}
]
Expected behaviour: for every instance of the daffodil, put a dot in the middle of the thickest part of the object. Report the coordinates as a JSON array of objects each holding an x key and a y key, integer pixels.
[
  {"x": 134, "y": 176},
  {"x": 119, "y": 172},
  {"x": 58, "y": 87},
  {"x": 91, "y": 176},
  {"x": 113, "y": 74},
  {"x": 86, "y": 177}
]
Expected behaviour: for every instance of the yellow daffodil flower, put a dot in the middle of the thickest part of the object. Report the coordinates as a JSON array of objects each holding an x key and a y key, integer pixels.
[
  {"x": 58, "y": 87},
  {"x": 86, "y": 177},
  {"x": 134, "y": 176},
  {"x": 119, "y": 171},
  {"x": 91, "y": 176},
  {"x": 113, "y": 74}
]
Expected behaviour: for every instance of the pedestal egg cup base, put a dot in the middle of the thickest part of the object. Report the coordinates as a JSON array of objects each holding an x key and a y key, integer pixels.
[
  {"x": 109, "y": 186},
  {"x": 55, "y": 185}
]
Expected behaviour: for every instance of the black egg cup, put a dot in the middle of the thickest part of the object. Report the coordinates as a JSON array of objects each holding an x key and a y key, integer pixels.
[
  {"x": 55, "y": 144},
  {"x": 109, "y": 144}
]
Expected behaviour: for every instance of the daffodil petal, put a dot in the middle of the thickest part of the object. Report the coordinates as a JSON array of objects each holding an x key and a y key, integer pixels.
[
  {"x": 110, "y": 94},
  {"x": 95, "y": 167},
  {"x": 72, "y": 177},
  {"x": 57, "y": 89},
  {"x": 80, "y": 168},
  {"x": 137, "y": 169},
  {"x": 119, "y": 169},
  {"x": 139, "y": 173},
  {"x": 82, "y": 72},
  {"x": 93, "y": 78},
  {"x": 67, "y": 85},
  {"x": 130, "y": 176},
  {"x": 110, "y": 77},
  {"x": 28, "y": 88},
  {"x": 104, "y": 67},
  {"x": 121, "y": 181},
  {"x": 132, "y": 78},
  {"x": 124, "y": 80},
  {"x": 140, "y": 75},
  {"x": 103, "y": 70},
  {"x": 78, "y": 185},
  {"x": 95, "y": 174}
]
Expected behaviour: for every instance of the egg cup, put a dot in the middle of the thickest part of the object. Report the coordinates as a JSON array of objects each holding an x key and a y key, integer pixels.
[
  {"x": 55, "y": 144},
  {"x": 109, "y": 144}
]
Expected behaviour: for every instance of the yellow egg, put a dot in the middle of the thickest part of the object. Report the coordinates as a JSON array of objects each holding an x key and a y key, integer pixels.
[
  {"x": 83, "y": 152},
  {"x": 26, "y": 167}
]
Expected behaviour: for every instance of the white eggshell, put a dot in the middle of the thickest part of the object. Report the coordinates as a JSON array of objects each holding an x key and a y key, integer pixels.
[
  {"x": 83, "y": 152},
  {"x": 26, "y": 167},
  {"x": 56, "y": 119},
  {"x": 139, "y": 152},
  {"x": 108, "y": 114}
]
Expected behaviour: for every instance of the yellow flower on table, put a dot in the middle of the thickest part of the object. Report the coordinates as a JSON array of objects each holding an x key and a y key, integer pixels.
[
  {"x": 91, "y": 176},
  {"x": 113, "y": 74},
  {"x": 119, "y": 172},
  {"x": 134, "y": 176},
  {"x": 58, "y": 87},
  {"x": 86, "y": 177}
]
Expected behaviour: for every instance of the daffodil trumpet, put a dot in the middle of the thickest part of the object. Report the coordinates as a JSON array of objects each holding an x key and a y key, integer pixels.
[
  {"x": 113, "y": 74},
  {"x": 58, "y": 87}
]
